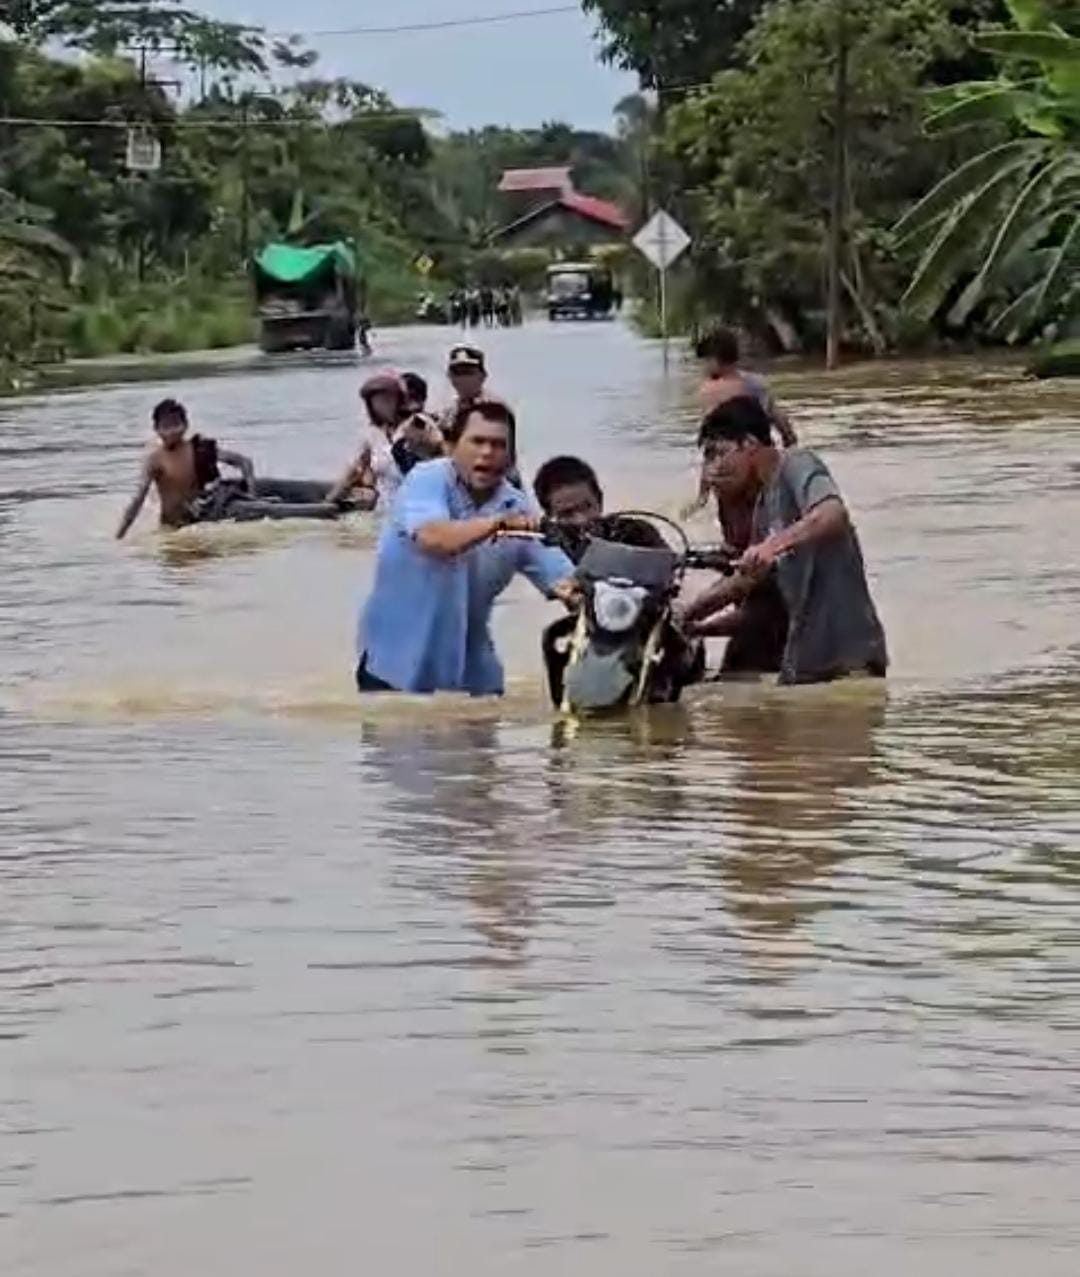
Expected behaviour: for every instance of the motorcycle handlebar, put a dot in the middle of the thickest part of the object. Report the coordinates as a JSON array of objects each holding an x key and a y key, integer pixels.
[{"x": 710, "y": 559}]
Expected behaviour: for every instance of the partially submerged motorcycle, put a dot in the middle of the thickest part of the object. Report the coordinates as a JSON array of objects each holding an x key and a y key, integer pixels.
[
  {"x": 624, "y": 647},
  {"x": 228, "y": 501}
]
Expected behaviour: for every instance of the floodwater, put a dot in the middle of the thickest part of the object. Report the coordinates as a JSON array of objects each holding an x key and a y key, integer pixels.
[{"x": 780, "y": 984}]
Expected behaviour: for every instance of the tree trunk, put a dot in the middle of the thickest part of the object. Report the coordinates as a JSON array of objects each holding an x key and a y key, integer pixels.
[{"x": 839, "y": 192}]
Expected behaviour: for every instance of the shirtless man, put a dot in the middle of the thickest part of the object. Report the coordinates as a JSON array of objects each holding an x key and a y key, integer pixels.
[
  {"x": 725, "y": 379},
  {"x": 180, "y": 468}
]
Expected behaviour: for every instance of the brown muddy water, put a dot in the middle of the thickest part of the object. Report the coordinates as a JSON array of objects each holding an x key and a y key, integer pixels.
[{"x": 776, "y": 985}]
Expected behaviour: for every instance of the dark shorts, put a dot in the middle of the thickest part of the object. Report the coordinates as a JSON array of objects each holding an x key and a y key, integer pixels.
[{"x": 367, "y": 682}]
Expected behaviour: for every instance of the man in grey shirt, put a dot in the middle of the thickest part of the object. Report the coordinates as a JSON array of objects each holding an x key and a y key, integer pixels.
[{"x": 803, "y": 535}]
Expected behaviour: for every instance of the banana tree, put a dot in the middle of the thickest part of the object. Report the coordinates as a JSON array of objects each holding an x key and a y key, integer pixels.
[{"x": 1008, "y": 221}]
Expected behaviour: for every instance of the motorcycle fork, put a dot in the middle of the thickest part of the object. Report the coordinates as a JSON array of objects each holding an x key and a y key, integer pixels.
[
  {"x": 577, "y": 643},
  {"x": 650, "y": 658}
]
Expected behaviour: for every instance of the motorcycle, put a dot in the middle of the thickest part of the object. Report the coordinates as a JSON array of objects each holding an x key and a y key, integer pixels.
[
  {"x": 228, "y": 501},
  {"x": 624, "y": 647},
  {"x": 429, "y": 310}
]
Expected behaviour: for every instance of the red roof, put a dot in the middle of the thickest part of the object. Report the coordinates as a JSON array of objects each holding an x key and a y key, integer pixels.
[
  {"x": 596, "y": 210},
  {"x": 535, "y": 179}
]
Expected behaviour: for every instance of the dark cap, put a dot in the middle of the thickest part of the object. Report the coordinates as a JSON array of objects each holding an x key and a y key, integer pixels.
[{"x": 466, "y": 357}]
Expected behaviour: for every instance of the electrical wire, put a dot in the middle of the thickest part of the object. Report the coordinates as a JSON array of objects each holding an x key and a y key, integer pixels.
[
  {"x": 441, "y": 24},
  {"x": 223, "y": 122}
]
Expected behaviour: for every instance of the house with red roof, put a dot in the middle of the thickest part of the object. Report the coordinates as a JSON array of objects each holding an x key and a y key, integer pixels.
[
  {"x": 555, "y": 215},
  {"x": 545, "y": 182}
]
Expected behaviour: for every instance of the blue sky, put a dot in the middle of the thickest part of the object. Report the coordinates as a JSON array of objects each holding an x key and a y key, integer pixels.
[{"x": 517, "y": 73}]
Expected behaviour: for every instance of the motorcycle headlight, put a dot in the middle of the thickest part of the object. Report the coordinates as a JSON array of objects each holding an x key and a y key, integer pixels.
[{"x": 617, "y": 607}]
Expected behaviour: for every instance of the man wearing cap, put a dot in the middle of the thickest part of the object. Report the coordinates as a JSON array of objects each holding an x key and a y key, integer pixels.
[{"x": 467, "y": 371}]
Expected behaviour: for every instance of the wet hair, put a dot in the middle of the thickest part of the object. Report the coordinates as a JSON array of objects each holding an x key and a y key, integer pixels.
[
  {"x": 720, "y": 344},
  {"x": 415, "y": 387},
  {"x": 167, "y": 410},
  {"x": 561, "y": 472},
  {"x": 493, "y": 410},
  {"x": 736, "y": 420}
]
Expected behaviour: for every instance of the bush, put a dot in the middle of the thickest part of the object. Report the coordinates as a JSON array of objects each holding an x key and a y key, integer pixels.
[
  {"x": 1062, "y": 360},
  {"x": 95, "y": 330},
  {"x": 226, "y": 326},
  {"x": 161, "y": 318}
]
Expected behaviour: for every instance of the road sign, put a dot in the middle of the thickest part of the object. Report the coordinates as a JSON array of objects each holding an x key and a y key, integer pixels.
[
  {"x": 662, "y": 240},
  {"x": 424, "y": 264},
  {"x": 143, "y": 151}
]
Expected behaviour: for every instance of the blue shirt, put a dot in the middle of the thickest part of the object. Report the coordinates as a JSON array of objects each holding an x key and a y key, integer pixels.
[{"x": 425, "y": 627}]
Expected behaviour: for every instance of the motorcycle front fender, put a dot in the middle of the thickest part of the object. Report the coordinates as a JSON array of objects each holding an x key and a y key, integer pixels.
[{"x": 599, "y": 678}]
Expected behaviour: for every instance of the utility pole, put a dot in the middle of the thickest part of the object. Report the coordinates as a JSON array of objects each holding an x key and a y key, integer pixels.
[
  {"x": 838, "y": 213},
  {"x": 245, "y": 181}
]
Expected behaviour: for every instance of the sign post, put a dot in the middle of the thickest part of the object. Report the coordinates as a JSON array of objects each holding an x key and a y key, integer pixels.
[{"x": 662, "y": 240}]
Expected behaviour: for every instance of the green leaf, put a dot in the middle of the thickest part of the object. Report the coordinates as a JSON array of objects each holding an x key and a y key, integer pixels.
[
  {"x": 1043, "y": 294},
  {"x": 1045, "y": 123},
  {"x": 1018, "y": 224},
  {"x": 1059, "y": 275},
  {"x": 1015, "y": 320},
  {"x": 958, "y": 238},
  {"x": 965, "y": 181},
  {"x": 1002, "y": 102},
  {"x": 1031, "y": 46},
  {"x": 1029, "y": 14}
]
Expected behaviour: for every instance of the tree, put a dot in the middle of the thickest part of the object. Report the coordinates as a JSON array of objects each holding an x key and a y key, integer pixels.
[
  {"x": 1008, "y": 221},
  {"x": 107, "y": 26},
  {"x": 35, "y": 266},
  {"x": 756, "y": 150},
  {"x": 673, "y": 44}
]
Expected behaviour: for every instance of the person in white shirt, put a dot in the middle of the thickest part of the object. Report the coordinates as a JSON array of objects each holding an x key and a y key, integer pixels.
[{"x": 375, "y": 474}]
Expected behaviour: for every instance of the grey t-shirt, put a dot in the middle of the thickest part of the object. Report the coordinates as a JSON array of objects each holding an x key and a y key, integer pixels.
[
  {"x": 758, "y": 388},
  {"x": 834, "y": 627}
]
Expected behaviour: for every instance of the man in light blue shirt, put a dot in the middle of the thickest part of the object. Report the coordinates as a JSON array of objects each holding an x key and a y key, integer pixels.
[{"x": 440, "y": 568}]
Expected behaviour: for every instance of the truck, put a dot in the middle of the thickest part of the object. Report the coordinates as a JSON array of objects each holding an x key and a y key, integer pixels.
[
  {"x": 580, "y": 290},
  {"x": 307, "y": 297}
]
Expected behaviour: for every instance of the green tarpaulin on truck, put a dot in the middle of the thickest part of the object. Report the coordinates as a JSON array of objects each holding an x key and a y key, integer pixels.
[{"x": 289, "y": 264}]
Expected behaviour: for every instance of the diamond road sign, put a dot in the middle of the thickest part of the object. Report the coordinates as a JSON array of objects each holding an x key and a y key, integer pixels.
[{"x": 662, "y": 240}]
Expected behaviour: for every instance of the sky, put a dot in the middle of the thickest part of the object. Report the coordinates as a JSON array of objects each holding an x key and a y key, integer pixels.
[{"x": 518, "y": 73}]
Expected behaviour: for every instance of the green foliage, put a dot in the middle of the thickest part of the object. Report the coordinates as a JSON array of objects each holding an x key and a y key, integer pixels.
[
  {"x": 1062, "y": 360},
  {"x": 1007, "y": 224},
  {"x": 674, "y": 43},
  {"x": 105, "y": 26},
  {"x": 164, "y": 256},
  {"x": 35, "y": 266},
  {"x": 756, "y": 153}
]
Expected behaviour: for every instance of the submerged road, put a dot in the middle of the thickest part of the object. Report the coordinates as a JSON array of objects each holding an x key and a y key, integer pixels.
[{"x": 780, "y": 983}]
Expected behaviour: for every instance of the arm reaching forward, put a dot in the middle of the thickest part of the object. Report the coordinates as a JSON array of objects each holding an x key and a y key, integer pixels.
[
  {"x": 827, "y": 519},
  {"x": 447, "y": 538},
  {"x": 358, "y": 475},
  {"x": 239, "y": 462},
  {"x": 135, "y": 505}
]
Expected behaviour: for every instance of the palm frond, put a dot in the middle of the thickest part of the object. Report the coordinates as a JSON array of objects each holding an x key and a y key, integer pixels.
[
  {"x": 1017, "y": 225},
  {"x": 968, "y": 178}
]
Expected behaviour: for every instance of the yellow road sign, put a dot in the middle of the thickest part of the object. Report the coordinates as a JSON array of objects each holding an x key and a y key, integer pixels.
[{"x": 424, "y": 264}]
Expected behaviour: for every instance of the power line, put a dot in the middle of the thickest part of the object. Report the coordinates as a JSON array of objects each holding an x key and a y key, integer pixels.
[
  {"x": 442, "y": 25},
  {"x": 222, "y": 122}
]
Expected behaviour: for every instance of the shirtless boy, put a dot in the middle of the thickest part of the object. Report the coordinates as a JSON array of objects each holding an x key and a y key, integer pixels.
[{"x": 180, "y": 468}]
